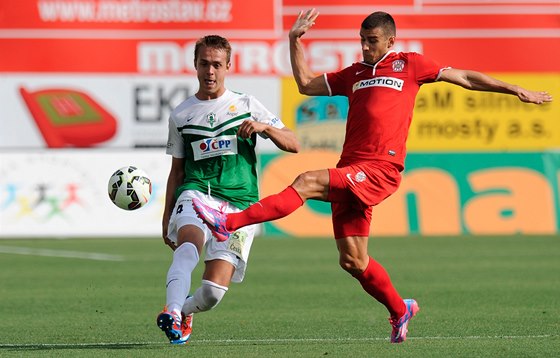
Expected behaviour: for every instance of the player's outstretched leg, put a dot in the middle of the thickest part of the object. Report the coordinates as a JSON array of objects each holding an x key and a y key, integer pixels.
[
  {"x": 400, "y": 326},
  {"x": 186, "y": 329},
  {"x": 214, "y": 219},
  {"x": 170, "y": 324}
]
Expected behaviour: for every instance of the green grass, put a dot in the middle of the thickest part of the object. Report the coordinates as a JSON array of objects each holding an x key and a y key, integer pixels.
[{"x": 479, "y": 297}]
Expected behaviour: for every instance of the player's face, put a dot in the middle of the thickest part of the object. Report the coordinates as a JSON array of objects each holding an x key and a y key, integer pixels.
[
  {"x": 211, "y": 68},
  {"x": 375, "y": 44}
]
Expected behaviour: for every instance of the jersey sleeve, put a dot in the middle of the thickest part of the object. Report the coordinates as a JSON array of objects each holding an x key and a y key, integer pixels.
[
  {"x": 261, "y": 114},
  {"x": 427, "y": 70},
  {"x": 175, "y": 143},
  {"x": 336, "y": 82}
]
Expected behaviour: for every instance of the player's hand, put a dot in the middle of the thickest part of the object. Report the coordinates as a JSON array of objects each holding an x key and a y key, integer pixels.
[
  {"x": 303, "y": 23},
  {"x": 169, "y": 243},
  {"x": 248, "y": 128},
  {"x": 534, "y": 97},
  {"x": 164, "y": 226}
]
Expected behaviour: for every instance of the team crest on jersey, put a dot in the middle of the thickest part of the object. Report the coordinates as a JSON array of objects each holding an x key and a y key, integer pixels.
[
  {"x": 398, "y": 65},
  {"x": 211, "y": 118}
]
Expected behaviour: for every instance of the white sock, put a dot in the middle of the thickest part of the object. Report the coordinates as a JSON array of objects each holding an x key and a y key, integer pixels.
[
  {"x": 185, "y": 258},
  {"x": 206, "y": 297}
]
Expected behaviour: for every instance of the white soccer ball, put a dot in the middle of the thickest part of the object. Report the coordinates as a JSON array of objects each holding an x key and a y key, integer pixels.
[{"x": 130, "y": 188}]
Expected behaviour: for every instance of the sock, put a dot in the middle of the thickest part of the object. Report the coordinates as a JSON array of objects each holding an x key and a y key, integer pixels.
[
  {"x": 377, "y": 283},
  {"x": 272, "y": 207},
  {"x": 185, "y": 258},
  {"x": 206, "y": 297}
]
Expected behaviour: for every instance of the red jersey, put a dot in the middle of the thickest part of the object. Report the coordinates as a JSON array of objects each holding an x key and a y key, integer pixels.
[{"x": 381, "y": 99}]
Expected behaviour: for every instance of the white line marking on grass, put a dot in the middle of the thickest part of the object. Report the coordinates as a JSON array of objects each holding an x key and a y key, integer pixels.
[
  {"x": 59, "y": 253},
  {"x": 262, "y": 341}
]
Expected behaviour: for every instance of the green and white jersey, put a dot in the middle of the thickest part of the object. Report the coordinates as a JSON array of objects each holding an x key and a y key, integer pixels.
[{"x": 217, "y": 161}]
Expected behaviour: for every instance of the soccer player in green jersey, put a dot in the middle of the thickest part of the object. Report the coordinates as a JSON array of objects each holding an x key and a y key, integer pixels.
[{"x": 212, "y": 139}]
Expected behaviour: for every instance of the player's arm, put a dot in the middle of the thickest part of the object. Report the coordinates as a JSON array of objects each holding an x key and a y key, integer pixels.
[
  {"x": 308, "y": 83},
  {"x": 174, "y": 180},
  {"x": 477, "y": 81},
  {"x": 283, "y": 138}
]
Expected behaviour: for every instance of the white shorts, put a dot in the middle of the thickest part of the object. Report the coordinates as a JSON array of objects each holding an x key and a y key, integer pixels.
[{"x": 235, "y": 250}]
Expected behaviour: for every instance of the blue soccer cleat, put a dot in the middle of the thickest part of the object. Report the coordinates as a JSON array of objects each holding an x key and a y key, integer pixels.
[
  {"x": 186, "y": 329},
  {"x": 170, "y": 324}
]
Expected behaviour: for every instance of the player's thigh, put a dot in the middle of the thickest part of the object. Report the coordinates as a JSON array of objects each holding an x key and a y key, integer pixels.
[
  {"x": 353, "y": 247},
  {"x": 234, "y": 251},
  {"x": 219, "y": 271},
  {"x": 184, "y": 225},
  {"x": 350, "y": 218},
  {"x": 193, "y": 234},
  {"x": 313, "y": 184}
]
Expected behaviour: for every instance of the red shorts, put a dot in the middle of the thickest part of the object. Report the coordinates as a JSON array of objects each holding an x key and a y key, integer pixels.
[{"x": 354, "y": 189}]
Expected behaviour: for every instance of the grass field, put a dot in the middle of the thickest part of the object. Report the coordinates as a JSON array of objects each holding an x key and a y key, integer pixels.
[{"x": 479, "y": 297}]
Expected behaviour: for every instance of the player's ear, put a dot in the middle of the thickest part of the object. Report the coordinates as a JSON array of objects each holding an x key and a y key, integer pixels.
[
  {"x": 391, "y": 41},
  {"x": 228, "y": 65}
]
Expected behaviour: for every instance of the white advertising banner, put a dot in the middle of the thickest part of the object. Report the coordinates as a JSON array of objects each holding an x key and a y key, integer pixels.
[
  {"x": 63, "y": 193},
  {"x": 114, "y": 111}
]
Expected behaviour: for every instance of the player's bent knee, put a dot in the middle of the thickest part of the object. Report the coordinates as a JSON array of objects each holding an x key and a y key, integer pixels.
[
  {"x": 212, "y": 294},
  {"x": 350, "y": 265}
]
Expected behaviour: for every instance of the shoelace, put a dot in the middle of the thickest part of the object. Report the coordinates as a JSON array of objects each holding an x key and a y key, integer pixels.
[{"x": 398, "y": 322}]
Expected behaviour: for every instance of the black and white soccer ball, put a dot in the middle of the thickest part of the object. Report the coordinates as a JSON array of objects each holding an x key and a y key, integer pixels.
[{"x": 130, "y": 188}]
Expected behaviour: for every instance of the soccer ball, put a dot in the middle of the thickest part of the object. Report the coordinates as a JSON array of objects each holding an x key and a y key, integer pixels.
[{"x": 129, "y": 188}]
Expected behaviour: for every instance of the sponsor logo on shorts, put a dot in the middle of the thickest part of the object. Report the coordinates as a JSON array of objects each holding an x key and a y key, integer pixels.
[
  {"x": 236, "y": 243},
  {"x": 349, "y": 176}
]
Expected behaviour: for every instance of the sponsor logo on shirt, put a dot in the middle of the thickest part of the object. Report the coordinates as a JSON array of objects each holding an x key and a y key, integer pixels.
[
  {"x": 232, "y": 111},
  {"x": 389, "y": 82},
  {"x": 214, "y": 147}
]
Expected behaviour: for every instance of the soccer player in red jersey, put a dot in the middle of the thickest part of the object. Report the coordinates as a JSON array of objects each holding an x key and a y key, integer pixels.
[{"x": 381, "y": 91}]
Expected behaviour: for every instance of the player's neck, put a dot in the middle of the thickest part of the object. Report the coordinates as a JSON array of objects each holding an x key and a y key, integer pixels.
[{"x": 206, "y": 96}]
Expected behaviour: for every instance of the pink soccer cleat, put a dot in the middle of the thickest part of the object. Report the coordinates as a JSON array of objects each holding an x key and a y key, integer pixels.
[
  {"x": 400, "y": 326},
  {"x": 214, "y": 219}
]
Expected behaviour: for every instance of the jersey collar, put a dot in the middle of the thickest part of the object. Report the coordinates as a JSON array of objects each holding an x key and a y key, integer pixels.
[{"x": 374, "y": 66}]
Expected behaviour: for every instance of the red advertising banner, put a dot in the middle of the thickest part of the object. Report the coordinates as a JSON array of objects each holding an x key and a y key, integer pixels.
[
  {"x": 202, "y": 15},
  {"x": 266, "y": 57},
  {"x": 156, "y": 37}
]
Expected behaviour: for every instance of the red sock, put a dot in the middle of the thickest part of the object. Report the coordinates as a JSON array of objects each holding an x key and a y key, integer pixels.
[
  {"x": 377, "y": 283},
  {"x": 272, "y": 207}
]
